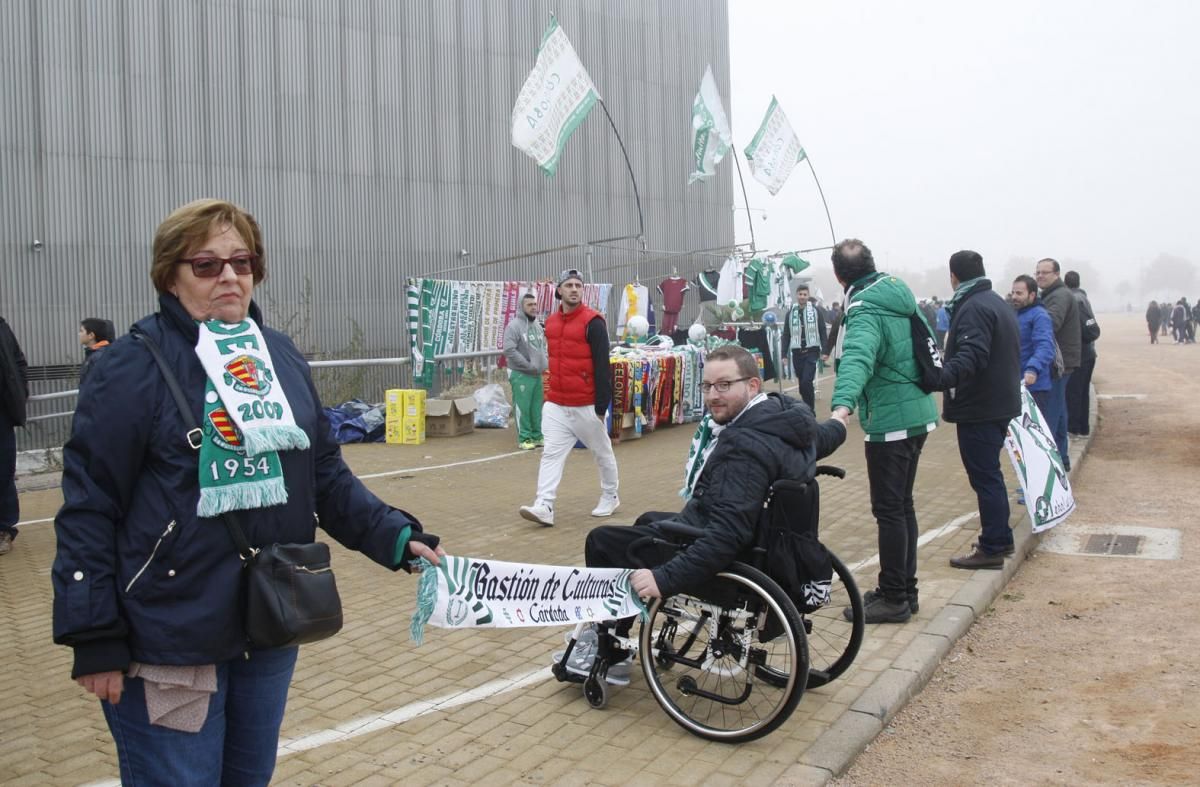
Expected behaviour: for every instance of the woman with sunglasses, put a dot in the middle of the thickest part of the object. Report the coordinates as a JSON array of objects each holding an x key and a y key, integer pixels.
[{"x": 147, "y": 580}]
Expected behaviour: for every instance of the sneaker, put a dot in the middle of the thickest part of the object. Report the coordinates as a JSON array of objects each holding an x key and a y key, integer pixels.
[
  {"x": 6, "y": 542},
  {"x": 882, "y": 610},
  {"x": 977, "y": 558},
  {"x": 542, "y": 513},
  {"x": 1008, "y": 551},
  {"x": 528, "y": 445},
  {"x": 607, "y": 505},
  {"x": 584, "y": 652},
  {"x": 914, "y": 606},
  {"x": 539, "y": 443}
]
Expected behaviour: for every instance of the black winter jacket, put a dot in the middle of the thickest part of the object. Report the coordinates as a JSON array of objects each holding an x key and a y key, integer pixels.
[
  {"x": 137, "y": 574},
  {"x": 14, "y": 386},
  {"x": 776, "y": 439},
  {"x": 981, "y": 373},
  {"x": 1064, "y": 310}
]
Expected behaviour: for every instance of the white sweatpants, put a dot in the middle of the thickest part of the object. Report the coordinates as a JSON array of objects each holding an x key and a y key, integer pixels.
[{"x": 561, "y": 427}]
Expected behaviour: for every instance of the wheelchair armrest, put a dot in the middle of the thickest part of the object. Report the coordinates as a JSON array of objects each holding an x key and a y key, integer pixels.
[{"x": 836, "y": 472}]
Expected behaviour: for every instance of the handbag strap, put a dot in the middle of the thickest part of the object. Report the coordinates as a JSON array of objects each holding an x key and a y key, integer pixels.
[{"x": 194, "y": 434}]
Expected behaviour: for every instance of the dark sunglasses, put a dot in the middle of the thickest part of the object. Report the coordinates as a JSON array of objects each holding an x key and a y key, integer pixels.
[{"x": 211, "y": 267}]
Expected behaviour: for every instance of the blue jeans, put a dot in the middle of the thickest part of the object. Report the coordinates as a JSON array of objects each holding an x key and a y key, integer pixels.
[
  {"x": 1056, "y": 417},
  {"x": 238, "y": 742},
  {"x": 979, "y": 446}
]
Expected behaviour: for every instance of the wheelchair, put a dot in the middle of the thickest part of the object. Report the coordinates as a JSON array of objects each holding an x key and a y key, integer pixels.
[{"x": 731, "y": 660}]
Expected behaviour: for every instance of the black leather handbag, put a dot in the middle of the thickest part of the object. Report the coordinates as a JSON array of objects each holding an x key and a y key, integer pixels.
[{"x": 289, "y": 593}]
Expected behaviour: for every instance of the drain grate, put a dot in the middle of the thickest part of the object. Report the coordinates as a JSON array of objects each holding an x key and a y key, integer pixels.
[{"x": 1113, "y": 544}]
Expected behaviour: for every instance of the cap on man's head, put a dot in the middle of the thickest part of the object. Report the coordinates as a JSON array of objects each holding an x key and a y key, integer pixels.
[{"x": 570, "y": 273}]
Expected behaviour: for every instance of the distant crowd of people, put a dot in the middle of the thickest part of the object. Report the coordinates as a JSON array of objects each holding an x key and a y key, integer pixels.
[{"x": 1179, "y": 318}]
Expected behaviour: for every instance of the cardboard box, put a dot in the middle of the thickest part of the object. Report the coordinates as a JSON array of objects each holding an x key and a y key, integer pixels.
[
  {"x": 405, "y": 416},
  {"x": 449, "y": 417}
]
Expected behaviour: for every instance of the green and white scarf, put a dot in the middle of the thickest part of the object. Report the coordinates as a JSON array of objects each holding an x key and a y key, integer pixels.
[
  {"x": 247, "y": 420},
  {"x": 812, "y": 334},
  {"x": 960, "y": 292}
]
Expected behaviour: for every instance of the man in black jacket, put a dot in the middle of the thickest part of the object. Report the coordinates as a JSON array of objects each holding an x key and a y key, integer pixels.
[
  {"x": 1064, "y": 312},
  {"x": 1079, "y": 386},
  {"x": 753, "y": 440},
  {"x": 14, "y": 390},
  {"x": 981, "y": 375}
]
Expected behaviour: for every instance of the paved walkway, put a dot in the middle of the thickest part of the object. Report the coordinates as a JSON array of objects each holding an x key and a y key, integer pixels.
[{"x": 368, "y": 707}]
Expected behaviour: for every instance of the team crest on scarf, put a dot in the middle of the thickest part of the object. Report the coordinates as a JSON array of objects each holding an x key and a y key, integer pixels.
[
  {"x": 249, "y": 375},
  {"x": 224, "y": 434}
]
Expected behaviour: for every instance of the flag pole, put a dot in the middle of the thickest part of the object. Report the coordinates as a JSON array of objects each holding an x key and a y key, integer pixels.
[
  {"x": 746, "y": 200},
  {"x": 821, "y": 191},
  {"x": 629, "y": 167}
]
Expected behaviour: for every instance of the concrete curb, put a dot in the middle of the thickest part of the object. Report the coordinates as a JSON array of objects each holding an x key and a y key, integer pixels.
[{"x": 832, "y": 754}]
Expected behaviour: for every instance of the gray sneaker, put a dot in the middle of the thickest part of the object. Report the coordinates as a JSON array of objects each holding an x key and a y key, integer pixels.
[{"x": 583, "y": 655}]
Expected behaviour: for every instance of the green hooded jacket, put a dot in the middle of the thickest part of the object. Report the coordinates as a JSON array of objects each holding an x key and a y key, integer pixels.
[{"x": 876, "y": 369}]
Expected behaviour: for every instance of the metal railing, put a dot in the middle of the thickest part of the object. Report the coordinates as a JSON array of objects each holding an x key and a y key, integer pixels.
[{"x": 44, "y": 430}]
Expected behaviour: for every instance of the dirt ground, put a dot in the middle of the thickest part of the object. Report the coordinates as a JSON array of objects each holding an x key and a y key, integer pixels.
[{"x": 1087, "y": 669}]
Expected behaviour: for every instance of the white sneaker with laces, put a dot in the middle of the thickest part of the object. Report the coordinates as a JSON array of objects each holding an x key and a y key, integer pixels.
[
  {"x": 542, "y": 513},
  {"x": 607, "y": 505}
]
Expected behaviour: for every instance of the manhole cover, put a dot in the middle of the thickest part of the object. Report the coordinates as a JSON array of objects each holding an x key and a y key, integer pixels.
[
  {"x": 1134, "y": 542},
  {"x": 1113, "y": 544}
]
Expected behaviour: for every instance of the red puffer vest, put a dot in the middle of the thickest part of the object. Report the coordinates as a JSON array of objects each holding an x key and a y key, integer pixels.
[{"x": 572, "y": 371}]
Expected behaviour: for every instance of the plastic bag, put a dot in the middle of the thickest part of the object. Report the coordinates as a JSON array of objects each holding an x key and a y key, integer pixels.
[{"x": 492, "y": 408}]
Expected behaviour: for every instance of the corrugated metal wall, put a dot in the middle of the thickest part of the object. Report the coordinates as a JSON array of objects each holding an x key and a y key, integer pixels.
[{"x": 369, "y": 137}]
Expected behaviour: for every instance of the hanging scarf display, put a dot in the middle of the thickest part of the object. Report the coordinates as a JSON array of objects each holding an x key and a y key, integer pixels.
[{"x": 247, "y": 420}]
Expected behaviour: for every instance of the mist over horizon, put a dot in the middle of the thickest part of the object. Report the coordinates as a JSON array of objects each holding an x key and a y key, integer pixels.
[{"x": 1021, "y": 131}]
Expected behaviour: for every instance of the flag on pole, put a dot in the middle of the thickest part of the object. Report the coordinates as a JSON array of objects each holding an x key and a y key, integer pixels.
[
  {"x": 555, "y": 99},
  {"x": 711, "y": 138},
  {"x": 775, "y": 151},
  {"x": 1035, "y": 457}
]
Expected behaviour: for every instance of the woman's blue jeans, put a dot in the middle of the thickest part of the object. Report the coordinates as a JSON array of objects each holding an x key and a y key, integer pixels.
[{"x": 238, "y": 742}]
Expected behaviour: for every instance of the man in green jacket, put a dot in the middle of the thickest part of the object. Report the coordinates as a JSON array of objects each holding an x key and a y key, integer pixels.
[{"x": 876, "y": 374}]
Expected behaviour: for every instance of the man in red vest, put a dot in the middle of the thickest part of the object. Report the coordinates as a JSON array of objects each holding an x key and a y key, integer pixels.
[{"x": 576, "y": 401}]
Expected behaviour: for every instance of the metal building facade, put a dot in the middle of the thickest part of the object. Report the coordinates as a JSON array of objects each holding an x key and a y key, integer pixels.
[{"x": 369, "y": 137}]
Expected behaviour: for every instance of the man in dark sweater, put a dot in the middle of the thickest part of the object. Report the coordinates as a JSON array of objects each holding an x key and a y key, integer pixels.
[{"x": 981, "y": 376}]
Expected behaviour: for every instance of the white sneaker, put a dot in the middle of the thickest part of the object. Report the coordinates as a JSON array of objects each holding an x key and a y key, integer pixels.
[
  {"x": 539, "y": 512},
  {"x": 607, "y": 505}
]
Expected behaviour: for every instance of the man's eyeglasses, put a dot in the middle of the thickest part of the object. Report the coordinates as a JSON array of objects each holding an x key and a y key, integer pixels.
[
  {"x": 721, "y": 386},
  {"x": 210, "y": 267}
]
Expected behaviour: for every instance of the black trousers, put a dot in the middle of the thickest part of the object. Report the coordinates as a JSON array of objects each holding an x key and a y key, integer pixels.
[
  {"x": 804, "y": 366},
  {"x": 1078, "y": 402},
  {"x": 10, "y": 508},
  {"x": 608, "y": 546},
  {"x": 891, "y": 473}
]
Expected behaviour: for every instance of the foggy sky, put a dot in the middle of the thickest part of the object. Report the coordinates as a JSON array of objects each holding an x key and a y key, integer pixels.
[{"x": 1019, "y": 129}]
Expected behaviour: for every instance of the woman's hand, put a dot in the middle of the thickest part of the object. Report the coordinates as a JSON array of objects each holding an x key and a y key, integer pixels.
[
  {"x": 420, "y": 550},
  {"x": 105, "y": 685}
]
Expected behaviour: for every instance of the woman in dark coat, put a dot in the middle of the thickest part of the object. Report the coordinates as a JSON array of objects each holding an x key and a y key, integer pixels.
[
  {"x": 1153, "y": 320},
  {"x": 147, "y": 580}
]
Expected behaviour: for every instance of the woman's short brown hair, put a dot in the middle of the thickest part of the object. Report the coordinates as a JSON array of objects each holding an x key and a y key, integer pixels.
[{"x": 190, "y": 225}]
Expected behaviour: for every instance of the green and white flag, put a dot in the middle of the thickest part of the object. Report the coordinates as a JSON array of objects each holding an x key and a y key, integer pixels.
[
  {"x": 1035, "y": 457},
  {"x": 775, "y": 151},
  {"x": 555, "y": 99},
  {"x": 467, "y": 592},
  {"x": 711, "y": 138}
]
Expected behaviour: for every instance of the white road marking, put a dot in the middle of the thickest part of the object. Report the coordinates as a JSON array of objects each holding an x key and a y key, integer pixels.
[
  {"x": 34, "y": 521},
  {"x": 443, "y": 467},
  {"x": 369, "y": 724},
  {"x": 926, "y": 537}
]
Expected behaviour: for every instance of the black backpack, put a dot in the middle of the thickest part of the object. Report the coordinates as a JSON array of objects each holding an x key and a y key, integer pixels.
[{"x": 926, "y": 353}]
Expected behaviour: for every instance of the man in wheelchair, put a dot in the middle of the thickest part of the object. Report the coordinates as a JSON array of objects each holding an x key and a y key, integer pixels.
[{"x": 748, "y": 441}]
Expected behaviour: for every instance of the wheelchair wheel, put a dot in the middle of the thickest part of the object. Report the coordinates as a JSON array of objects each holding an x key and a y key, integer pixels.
[
  {"x": 707, "y": 665},
  {"x": 833, "y": 641}
]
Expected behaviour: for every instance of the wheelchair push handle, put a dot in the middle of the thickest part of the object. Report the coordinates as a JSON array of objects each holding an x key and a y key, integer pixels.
[{"x": 836, "y": 472}]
